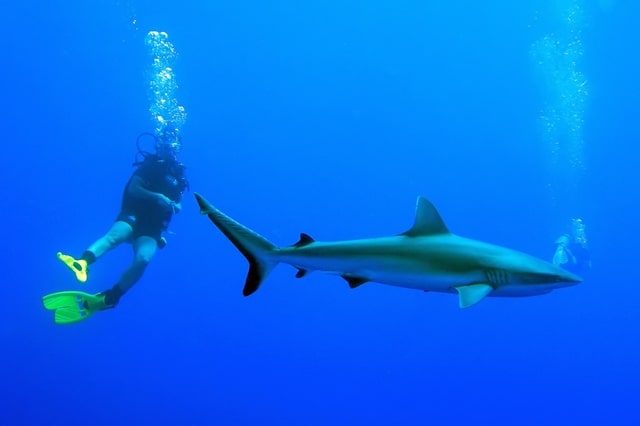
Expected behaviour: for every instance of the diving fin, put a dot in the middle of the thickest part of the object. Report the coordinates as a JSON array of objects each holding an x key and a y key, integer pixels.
[
  {"x": 73, "y": 306},
  {"x": 78, "y": 267}
]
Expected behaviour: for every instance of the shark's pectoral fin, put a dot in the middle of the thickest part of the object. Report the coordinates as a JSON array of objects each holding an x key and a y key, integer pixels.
[
  {"x": 354, "y": 281},
  {"x": 473, "y": 293}
]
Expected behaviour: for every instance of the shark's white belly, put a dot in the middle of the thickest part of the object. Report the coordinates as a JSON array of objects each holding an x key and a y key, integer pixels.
[
  {"x": 397, "y": 272},
  {"x": 434, "y": 282},
  {"x": 414, "y": 274}
]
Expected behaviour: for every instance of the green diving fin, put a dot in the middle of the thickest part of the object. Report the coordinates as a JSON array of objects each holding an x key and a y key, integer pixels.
[
  {"x": 78, "y": 267},
  {"x": 73, "y": 306}
]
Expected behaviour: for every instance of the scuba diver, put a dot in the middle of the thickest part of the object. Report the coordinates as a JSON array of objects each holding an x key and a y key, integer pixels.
[
  {"x": 150, "y": 198},
  {"x": 572, "y": 250}
]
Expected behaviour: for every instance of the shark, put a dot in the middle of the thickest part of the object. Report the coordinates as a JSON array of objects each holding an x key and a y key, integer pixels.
[{"x": 426, "y": 257}]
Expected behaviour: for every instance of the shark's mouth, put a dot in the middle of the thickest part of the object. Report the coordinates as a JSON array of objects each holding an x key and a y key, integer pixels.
[{"x": 533, "y": 278}]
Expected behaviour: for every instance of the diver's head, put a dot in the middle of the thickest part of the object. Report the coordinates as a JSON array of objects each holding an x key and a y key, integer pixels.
[
  {"x": 168, "y": 145},
  {"x": 168, "y": 151},
  {"x": 563, "y": 240}
]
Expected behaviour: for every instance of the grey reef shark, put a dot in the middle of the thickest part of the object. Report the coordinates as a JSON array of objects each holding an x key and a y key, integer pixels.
[{"x": 426, "y": 257}]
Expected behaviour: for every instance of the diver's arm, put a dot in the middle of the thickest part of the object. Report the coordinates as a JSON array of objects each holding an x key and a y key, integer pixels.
[{"x": 136, "y": 189}]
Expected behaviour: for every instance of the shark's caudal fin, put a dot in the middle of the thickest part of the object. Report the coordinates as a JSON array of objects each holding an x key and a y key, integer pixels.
[{"x": 257, "y": 249}]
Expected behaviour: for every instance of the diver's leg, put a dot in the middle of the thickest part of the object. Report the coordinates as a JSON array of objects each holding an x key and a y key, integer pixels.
[
  {"x": 144, "y": 248},
  {"x": 120, "y": 231}
]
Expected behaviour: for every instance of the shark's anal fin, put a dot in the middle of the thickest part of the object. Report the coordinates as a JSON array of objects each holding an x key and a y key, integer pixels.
[
  {"x": 473, "y": 293},
  {"x": 304, "y": 240},
  {"x": 354, "y": 281},
  {"x": 301, "y": 273}
]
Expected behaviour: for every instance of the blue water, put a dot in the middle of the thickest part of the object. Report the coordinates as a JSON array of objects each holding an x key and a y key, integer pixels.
[{"x": 327, "y": 118}]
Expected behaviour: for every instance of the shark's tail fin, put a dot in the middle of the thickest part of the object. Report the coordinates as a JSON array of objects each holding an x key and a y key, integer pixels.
[{"x": 258, "y": 250}]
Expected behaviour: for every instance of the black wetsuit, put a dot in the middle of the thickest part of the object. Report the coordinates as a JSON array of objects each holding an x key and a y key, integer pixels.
[{"x": 146, "y": 216}]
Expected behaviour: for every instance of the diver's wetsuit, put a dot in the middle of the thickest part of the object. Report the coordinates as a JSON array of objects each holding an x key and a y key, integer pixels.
[
  {"x": 150, "y": 199},
  {"x": 146, "y": 216},
  {"x": 141, "y": 220}
]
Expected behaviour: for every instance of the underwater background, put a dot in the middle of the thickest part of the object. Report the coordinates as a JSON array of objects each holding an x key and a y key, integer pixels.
[{"x": 327, "y": 118}]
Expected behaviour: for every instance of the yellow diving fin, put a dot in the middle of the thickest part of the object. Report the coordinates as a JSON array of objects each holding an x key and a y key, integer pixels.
[
  {"x": 79, "y": 267},
  {"x": 73, "y": 306}
]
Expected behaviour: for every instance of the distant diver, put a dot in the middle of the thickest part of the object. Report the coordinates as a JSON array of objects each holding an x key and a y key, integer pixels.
[
  {"x": 572, "y": 249},
  {"x": 150, "y": 198}
]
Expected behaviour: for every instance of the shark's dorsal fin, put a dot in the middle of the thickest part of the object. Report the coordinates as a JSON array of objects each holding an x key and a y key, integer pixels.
[
  {"x": 428, "y": 220},
  {"x": 304, "y": 240},
  {"x": 301, "y": 273}
]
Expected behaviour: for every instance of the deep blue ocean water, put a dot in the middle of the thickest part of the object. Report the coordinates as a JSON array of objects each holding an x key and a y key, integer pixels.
[{"x": 327, "y": 118}]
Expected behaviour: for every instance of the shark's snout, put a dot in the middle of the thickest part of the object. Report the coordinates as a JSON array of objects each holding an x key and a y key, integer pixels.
[{"x": 569, "y": 277}]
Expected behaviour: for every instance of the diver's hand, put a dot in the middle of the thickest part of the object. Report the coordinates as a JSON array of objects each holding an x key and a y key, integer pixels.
[{"x": 165, "y": 202}]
